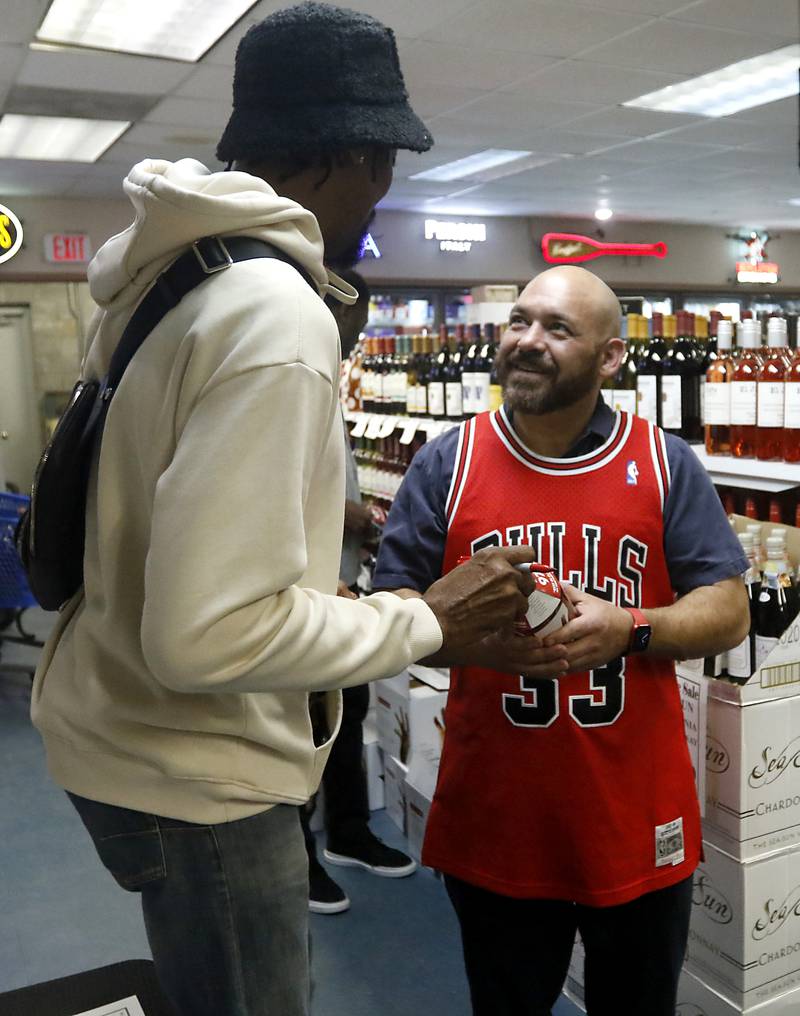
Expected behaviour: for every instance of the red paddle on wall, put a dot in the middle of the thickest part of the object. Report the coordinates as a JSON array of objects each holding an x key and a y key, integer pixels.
[{"x": 570, "y": 248}]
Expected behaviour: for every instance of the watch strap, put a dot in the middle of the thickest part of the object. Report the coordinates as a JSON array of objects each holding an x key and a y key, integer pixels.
[{"x": 639, "y": 621}]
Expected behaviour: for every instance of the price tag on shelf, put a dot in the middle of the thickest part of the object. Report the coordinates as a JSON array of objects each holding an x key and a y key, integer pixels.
[
  {"x": 409, "y": 430},
  {"x": 360, "y": 425},
  {"x": 374, "y": 426},
  {"x": 387, "y": 425}
]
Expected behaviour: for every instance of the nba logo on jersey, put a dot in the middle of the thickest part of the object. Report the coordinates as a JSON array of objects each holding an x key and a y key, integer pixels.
[{"x": 632, "y": 473}]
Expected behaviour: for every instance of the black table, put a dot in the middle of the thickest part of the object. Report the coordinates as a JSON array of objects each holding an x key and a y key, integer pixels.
[{"x": 90, "y": 989}]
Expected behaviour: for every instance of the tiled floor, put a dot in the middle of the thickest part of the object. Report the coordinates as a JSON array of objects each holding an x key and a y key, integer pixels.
[{"x": 394, "y": 953}]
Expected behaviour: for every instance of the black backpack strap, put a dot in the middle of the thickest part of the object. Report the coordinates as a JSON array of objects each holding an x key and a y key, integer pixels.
[{"x": 207, "y": 256}]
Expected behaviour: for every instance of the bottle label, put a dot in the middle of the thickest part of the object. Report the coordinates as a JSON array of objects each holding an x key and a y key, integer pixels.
[
  {"x": 481, "y": 400},
  {"x": 646, "y": 387},
  {"x": 764, "y": 647},
  {"x": 743, "y": 403},
  {"x": 436, "y": 398},
  {"x": 422, "y": 400},
  {"x": 468, "y": 391},
  {"x": 411, "y": 400},
  {"x": 401, "y": 396},
  {"x": 608, "y": 396},
  {"x": 792, "y": 405},
  {"x": 671, "y": 403},
  {"x": 454, "y": 399},
  {"x": 717, "y": 404},
  {"x": 740, "y": 659},
  {"x": 366, "y": 386},
  {"x": 770, "y": 403},
  {"x": 495, "y": 397},
  {"x": 624, "y": 400}
]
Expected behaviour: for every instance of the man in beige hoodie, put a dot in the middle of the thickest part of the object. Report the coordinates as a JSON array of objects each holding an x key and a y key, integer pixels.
[{"x": 172, "y": 697}]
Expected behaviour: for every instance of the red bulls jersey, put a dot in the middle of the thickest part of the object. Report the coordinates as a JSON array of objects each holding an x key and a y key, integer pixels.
[{"x": 579, "y": 788}]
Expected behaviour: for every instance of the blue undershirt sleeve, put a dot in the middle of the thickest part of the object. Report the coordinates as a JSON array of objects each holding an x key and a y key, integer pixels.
[
  {"x": 699, "y": 543},
  {"x": 412, "y": 549}
]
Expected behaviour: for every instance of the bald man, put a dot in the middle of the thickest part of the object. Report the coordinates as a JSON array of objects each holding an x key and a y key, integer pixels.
[{"x": 566, "y": 797}]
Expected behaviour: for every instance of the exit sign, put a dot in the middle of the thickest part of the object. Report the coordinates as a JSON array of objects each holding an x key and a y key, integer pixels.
[{"x": 67, "y": 248}]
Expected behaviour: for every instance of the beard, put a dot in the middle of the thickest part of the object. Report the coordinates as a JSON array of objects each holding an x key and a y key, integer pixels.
[
  {"x": 546, "y": 390},
  {"x": 352, "y": 251}
]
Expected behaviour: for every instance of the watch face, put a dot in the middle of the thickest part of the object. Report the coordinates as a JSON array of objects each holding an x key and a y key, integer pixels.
[{"x": 642, "y": 639}]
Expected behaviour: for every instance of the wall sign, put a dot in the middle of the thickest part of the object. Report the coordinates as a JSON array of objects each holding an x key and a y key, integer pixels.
[
  {"x": 455, "y": 237},
  {"x": 369, "y": 246},
  {"x": 67, "y": 248},
  {"x": 572, "y": 248},
  {"x": 10, "y": 234},
  {"x": 755, "y": 267}
]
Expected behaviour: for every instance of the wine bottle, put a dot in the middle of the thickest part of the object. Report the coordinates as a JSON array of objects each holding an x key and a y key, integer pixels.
[
  {"x": 648, "y": 383},
  {"x": 744, "y": 393},
  {"x": 495, "y": 388},
  {"x": 740, "y": 660},
  {"x": 468, "y": 366},
  {"x": 680, "y": 383},
  {"x": 454, "y": 404},
  {"x": 773, "y": 609},
  {"x": 791, "y": 434},
  {"x": 483, "y": 371},
  {"x": 436, "y": 377},
  {"x": 771, "y": 380},
  {"x": 718, "y": 394}
]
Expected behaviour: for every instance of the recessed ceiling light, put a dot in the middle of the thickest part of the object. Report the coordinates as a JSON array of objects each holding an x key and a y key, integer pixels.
[
  {"x": 794, "y": 201},
  {"x": 57, "y": 138},
  {"x": 482, "y": 167},
  {"x": 177, "y": 29},
  {"x": 738, "y": 86},
  {"x": 603, "y": 214}
]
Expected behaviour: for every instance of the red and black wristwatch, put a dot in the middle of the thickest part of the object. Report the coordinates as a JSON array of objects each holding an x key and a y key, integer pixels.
[{"x": 640, "y": 633}]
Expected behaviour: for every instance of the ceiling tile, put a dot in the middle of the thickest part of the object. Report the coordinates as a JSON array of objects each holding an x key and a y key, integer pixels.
[
  {"x": 11, "y": 57},
  {"x": 90, "y": 70},
  {"x": 21, "y": 18},
  {"x": 207, "y": 81},
  {"x": 184, "y": 112},
  {"x": 521, "y": 111},
  {"x": 411, "y": 18},
  {"x": 441, "y": 63},
  {"x": 775, "y": 17},
  {"x": 576, "y": 81},
  {"x": 433, "y": 100},
  {"x": 525, "y": 27},
  {"x": 29, "y": 176},
  {"x": 623, "y": 120},
  {"x": 679, "y": 48}
]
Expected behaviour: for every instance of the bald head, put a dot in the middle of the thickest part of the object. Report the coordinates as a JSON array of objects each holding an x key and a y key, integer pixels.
[{"x": 581, "y": 294}]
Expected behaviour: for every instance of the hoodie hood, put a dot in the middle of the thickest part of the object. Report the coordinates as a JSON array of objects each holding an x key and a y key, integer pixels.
[{"x": 176, "y": 203}]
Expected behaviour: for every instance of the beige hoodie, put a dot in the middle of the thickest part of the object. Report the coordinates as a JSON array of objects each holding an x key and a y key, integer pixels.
[{"x": 176, "y": 684}]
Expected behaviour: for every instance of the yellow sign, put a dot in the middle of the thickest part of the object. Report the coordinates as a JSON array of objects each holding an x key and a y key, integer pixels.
[{"x": 10, "y": 234}]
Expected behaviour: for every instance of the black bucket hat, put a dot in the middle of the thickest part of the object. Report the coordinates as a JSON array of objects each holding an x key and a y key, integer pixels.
[{"x": 317, "y": 77}]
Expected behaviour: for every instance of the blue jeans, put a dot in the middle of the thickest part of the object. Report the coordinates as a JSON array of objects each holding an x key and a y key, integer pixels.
[{"x": 225, "y": 906}]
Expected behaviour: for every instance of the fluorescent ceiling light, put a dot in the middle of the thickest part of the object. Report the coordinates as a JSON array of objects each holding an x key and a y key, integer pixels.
[
  {"x": 742, "y": 85},
  {"x": 57, "y": 138},
  {"x": 482, "y": 167},
  {"x": 176, "y": 29}
]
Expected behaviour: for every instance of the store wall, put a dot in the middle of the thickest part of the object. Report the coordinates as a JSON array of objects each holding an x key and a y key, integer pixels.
[
  {"x": 699, "y": 257},
  {"x": 57, "y": 295}
]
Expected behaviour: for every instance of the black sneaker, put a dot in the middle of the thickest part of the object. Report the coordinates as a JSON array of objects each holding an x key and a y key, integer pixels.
[
  {"x": 324, "y": 895},
  {"x": 368, "y": 852}
]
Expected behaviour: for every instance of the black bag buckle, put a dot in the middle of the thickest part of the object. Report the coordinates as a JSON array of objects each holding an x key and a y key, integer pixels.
[{"x": 219, "y": 259}]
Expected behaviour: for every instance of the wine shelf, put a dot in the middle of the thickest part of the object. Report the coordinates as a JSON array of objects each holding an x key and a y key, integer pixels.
[
  {"x": 732, "y": 472},
  {"x": 724, "y": 469}
]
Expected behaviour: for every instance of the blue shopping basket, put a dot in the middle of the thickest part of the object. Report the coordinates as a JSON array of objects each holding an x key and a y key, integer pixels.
[{"x": 14, "y": 591}]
